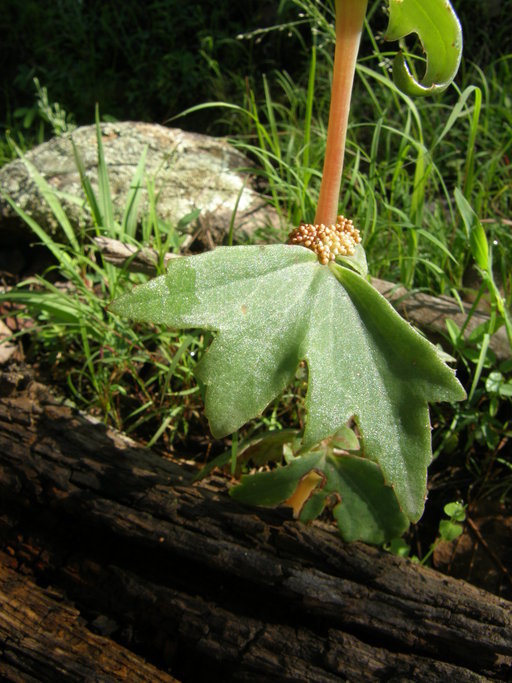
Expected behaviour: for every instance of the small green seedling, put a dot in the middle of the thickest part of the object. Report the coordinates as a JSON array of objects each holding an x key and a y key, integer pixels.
[
  {"x": 449, "y": 530},
  {"x": 366, "y": 444}
]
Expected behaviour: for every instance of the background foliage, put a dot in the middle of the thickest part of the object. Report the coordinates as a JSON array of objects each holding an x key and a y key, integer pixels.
[{"x": 149, "y": 61}]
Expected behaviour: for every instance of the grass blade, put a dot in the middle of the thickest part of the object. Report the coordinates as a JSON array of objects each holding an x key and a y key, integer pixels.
[
  {"x": 105, "y": 197},
  {"x": 131, "y": 211}
]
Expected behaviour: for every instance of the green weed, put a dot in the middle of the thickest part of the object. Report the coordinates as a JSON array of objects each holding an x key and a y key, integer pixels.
[{"x": 138, "y": 378}]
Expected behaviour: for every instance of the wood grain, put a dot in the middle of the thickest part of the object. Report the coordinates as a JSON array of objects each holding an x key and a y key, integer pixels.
[{"x": 196, "y": 583}]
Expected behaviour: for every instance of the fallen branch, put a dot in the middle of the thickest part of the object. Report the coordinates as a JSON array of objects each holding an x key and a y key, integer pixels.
[
  {"x": 41, "y": 636},
  {"x": 427, "y": 312},
  {"x": 198, "y": 583}
]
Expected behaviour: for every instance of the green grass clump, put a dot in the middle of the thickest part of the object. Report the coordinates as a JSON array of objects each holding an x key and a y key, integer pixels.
[{"x": 137, "y": 378}]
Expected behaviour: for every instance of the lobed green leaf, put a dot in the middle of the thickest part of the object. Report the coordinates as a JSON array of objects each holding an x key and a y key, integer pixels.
[
  {"x": 365, "y": 508},
  {"x": 271, "y": 307}
]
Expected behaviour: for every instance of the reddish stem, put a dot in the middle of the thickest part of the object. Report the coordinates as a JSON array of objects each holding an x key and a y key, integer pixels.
[{"x": 350, "y": 16}]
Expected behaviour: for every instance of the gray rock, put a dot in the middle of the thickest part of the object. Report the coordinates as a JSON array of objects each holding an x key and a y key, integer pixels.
[{"x": 190, "y": 172}]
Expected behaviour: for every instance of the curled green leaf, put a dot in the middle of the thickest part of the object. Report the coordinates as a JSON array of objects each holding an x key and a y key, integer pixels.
[
  {"x": 439, "y": 30},
  {"x": 364, "y": 507}
]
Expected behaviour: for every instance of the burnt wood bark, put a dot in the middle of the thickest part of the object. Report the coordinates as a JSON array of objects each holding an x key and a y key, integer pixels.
[
  {"x": 197, "y": 584},
  {"x": 43, "y": 638}
]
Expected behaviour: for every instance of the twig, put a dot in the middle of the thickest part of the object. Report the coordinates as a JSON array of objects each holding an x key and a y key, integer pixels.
[
  {"x": 134, "y": 259},
  {"x": 422, "y": 310}
]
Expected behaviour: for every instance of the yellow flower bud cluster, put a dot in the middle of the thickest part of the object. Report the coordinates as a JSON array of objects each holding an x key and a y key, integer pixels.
[{"x": 327, "y": 241}]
